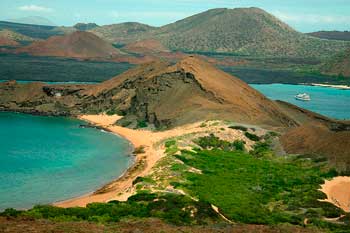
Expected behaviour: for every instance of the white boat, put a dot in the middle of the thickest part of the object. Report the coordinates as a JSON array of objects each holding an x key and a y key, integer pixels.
[{"x": 303, "y": 97}]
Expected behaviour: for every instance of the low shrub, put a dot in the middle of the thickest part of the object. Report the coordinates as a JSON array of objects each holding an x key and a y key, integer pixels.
[
  {"x": 171, "y": 208},
  {"x": 139, "y": 150},
  {"x": 141, "y": 124},
  {"x": 252, "y": 137},
  {"x": 238, "y": 127},
  {"x": 213, "y": 142}
]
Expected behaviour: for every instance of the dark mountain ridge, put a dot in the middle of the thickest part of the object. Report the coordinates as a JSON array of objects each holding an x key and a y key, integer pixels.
[{"x": 331, "y": 35}]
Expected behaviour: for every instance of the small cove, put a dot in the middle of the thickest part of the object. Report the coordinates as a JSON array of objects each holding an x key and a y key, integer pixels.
[{"x": 47, "y": 159}]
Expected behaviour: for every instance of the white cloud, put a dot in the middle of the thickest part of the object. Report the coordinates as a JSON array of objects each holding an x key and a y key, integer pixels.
[
  {"x": 311, "y": 18},
  {"x": 35, "y": 8}
]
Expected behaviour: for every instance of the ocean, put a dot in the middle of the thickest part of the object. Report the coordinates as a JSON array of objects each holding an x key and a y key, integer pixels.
[
  {"x": 48, "y": 159},
  {"x": 331, "y": 102}
]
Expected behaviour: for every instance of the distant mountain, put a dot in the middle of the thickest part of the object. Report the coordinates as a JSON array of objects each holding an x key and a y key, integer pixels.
[
  {"x": 85, "y": 26},
  {"x": 122, "y": 33},
  {"x": 241, "y": 31},
  {"x": 34, "y": 31},
  {"x": 35, "y": 20},
  {"x": 76, "y": 45},
  {"x": 338, "y": 65},
  {"x": 332, "y": 35},
  {"x": 5, "y": 33}
]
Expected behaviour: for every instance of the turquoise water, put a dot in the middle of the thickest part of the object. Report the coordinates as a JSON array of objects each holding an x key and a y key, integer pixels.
[
  {"x": 47, "y": 159},
  {"x": 327, "y": 101}
]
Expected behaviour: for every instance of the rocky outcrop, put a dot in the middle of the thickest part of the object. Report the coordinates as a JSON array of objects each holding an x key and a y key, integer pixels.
[{"x": 158, "y": 93}]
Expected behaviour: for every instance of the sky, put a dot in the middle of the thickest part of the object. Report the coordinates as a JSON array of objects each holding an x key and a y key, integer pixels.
[{"x": 303, "y": 15}]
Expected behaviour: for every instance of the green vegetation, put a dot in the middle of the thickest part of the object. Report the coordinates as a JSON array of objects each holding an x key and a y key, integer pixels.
[
  {"x": 139, "y": 150},
  {"x": 253, "y": 188},
  {"x": 172, "y": 208},
  {"x": 142, "y": 179},
  {"x": 141, "y": 124},
  {"x": 260, "y": 191},
  {"x": 239, "y": 127},
  {"x": 171, "y": 147},
  {"x": 203, "y": 125},
  {"x": 213, "y": 142},
  {"x": 252, "y": 137},
  {"x": 111, "y": 112}
]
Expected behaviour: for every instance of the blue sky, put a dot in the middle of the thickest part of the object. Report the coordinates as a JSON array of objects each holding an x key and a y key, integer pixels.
[{"x": 303, "y": 15}]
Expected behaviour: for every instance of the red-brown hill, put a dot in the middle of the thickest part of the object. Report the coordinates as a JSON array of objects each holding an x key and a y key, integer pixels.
[{"x": 76, "y": 45}]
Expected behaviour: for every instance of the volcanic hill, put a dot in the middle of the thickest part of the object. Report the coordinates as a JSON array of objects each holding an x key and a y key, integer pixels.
[
  {"x": 338, "y": 65},
  {"x": 192, "y": 90},
  {"x": 76, "y": 45},
  {"x": 122, "y": 33},
  {"x": 241, "y": 31},
  {"x": 158, "y": 93}
]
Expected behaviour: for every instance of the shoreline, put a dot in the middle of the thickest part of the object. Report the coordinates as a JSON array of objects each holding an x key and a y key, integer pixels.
[
  {"x": 108, "y": 191},
  {"x": 339, "y": 87},
  {"x": 334, "y": 86},
  {"x": 152, "y": 142}
]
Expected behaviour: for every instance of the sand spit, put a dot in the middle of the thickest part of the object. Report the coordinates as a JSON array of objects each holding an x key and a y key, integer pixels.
[
  {"x": 341, "y": 87},
  {"x": 338, "y": 192},
  {"x": 122, "y": 188}
]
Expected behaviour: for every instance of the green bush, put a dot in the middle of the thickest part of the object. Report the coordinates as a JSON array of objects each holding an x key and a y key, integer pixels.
[
  {"x": 140, "y": 179},
  {"x": 239, "y": 145},
  {"x": 139, "y": 150},
  {"x": 239, "y": 127},
  {"x": 261, "y": 149},
  {"x": 111, "y": 112},
  {"x": 170, "y": 143},
  {"x": 213, "y": 142},
  {"x": 141, "y": 124},
  {"x": 252, "y": 137},
  {"x": 172, "y": 208}
]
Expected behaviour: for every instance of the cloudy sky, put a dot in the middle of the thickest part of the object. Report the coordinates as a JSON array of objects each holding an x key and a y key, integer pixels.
[{"x": 303, "y": 15}]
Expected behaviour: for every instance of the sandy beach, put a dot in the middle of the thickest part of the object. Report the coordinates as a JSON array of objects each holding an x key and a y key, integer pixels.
[
  {"x": 341, "y": 87},
  {"x": 122, "y": 188},
  {"x": 338, "y": 192}
]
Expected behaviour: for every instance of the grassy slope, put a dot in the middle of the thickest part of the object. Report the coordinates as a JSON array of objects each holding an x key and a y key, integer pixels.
[{"x": 254, "y": 188}]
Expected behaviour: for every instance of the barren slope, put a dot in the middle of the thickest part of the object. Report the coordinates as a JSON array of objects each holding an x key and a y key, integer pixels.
[
  {"x": 186, "y": 92},
  {"x": 77, "y": 45}
]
